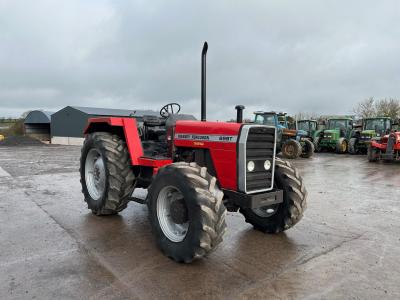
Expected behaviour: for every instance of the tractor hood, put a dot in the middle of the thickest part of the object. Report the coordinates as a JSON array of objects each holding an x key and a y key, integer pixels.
[
  {"x": 331, "y": 133},
  {"x": 302, "y": 133},
  {"x": 368, "y": 133}
]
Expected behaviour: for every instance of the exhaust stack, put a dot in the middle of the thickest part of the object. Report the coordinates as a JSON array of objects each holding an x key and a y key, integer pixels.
[
  {"x": 203, "y": 82},
  {"x": 239, "y": 113}
]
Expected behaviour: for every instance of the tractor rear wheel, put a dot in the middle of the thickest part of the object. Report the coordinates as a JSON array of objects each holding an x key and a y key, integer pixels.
[
  {"x": 341, "y": 146},
  {"x": 282, "y": 216},
  {"x": 291, "y": 149},
  {"x": 308, "y": 149},
  {"x": 372, "y": 154},
  {"x": 106, "y": 175},
  {"x": 353, "y": 146},
  {"x": 186, "y": 211}
]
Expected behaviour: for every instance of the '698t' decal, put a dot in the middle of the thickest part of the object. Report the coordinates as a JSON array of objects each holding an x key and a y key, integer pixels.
[{"x": 206, "y": 137}]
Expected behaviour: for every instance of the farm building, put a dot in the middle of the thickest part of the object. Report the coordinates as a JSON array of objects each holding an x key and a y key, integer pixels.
[
  {"x": 67, "y": 124},
  {"x": 37, "y": 124}
]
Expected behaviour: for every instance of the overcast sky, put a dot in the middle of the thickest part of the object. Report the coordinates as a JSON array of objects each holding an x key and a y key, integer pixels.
[{"x": 310, "y": 56}]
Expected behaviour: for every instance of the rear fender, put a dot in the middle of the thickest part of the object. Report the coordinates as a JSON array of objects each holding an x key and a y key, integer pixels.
[{"x": 124, "y": 127}]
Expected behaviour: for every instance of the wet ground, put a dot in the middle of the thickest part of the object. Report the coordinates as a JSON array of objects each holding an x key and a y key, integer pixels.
[{"x": 52, "y": 247}]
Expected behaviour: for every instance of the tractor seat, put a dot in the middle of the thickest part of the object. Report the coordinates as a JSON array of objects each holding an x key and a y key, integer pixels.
[{"x": 153, "y": 121}]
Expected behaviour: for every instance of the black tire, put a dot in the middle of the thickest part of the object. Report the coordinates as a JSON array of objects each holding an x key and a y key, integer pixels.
[
  {"x": 205, "y": 211},
  {"x": 308, "y": 149},
  {"x": 353, "y": 146},
  {"x": 119, "y": 180},
  {"x": 342, "y": 146},
  {"x": 317, "y": 147},
  {"x": 372, "y": 154},
  {"x": 291, "y": 210},
  {"x": 291, "y": 149}
]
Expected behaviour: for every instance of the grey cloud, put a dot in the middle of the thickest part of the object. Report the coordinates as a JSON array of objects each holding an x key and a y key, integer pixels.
[{"x": 317, "y": 56}]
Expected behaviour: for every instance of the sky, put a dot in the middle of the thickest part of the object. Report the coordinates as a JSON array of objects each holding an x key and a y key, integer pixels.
[{"x": 320, "y": 57}]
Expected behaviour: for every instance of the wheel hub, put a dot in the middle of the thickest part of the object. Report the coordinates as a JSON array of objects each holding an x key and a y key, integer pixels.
[
  {"x": 95, "y": 174},
  {"x": 178, "y": 211}
]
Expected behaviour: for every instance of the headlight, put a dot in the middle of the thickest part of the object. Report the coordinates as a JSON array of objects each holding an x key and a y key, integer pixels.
[
  {"x": 251, "y": 166},
  {"x": 267, "y": 165}
]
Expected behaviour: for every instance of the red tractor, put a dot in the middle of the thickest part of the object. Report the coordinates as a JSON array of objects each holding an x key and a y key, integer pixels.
[
  {"x": 194, "y": 172},
  {"x": 387, "y": 148}
]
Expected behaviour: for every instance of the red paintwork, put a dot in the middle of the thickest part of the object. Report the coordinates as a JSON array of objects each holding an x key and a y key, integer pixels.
[
  {"x": 383, "y": 143},
  {"x": 131, "y": 134},
  {"x": 223, "y": 154}
]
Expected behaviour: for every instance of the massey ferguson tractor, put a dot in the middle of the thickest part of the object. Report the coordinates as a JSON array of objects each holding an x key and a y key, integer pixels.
[
  {"x": 387, "y": 148},
  {"x": 194, "y": 172}
]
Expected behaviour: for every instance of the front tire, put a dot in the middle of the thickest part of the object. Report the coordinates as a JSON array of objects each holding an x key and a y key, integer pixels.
[
  {"x": 372, "y": 154},
  {"x": 106, "y": 176},
  {"x": 308, "y": 149},
  {"x": 280, "y": 217},
  {"x": 317, "y": 147},
  {"x": 189, "y": 222},
  {"x": 341, "y": 146}
]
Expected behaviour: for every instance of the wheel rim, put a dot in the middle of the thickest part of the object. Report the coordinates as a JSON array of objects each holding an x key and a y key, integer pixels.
[
  {"x": 175, "y": 232},
  {"x": 266, "y": 211},
  {"x": 95, "y": 174},
  {"x": 290, "y": 150},
  {"x": 344, "y": 146}
]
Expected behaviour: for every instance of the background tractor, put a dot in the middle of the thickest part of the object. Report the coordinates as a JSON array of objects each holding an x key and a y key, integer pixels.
[
  {"x": 308, "y": 128},
  {"x": 194, "y": 172},
  {"x": 336, "y": 136},
  {"x": 292, "y": 143},
  {"x": 372, "y": 128},
  {"x": 387, "y": 148}
]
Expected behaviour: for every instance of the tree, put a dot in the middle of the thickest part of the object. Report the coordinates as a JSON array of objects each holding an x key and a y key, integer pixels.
[
  {"x": 366, "y": 108},
  {"x": 388, "y": 108}
]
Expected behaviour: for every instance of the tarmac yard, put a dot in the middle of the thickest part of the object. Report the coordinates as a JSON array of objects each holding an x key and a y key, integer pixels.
[{"x": 52, "y": 247}]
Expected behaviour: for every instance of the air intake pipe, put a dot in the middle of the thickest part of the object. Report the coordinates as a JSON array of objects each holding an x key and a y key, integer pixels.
[
  {"x": 203, "y": 82},
  {"x": 239, "y": 113}
]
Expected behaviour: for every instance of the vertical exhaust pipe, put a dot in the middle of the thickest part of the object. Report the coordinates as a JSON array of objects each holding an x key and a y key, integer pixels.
[
  {"x": 203, "y": 82},
  {"x": 239, "y": 113}
]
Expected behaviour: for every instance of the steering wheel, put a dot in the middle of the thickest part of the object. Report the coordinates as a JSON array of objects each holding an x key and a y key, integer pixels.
[{"x": 170, "y": 109}]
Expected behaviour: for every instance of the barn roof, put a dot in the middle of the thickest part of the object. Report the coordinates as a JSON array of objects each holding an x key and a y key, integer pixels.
[{"x": 38, "y": 116}]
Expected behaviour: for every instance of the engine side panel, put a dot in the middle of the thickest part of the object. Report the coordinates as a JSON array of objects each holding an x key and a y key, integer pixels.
[{"x": 221, "y": 140}]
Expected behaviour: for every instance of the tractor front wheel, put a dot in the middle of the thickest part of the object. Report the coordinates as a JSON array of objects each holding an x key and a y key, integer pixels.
[
  {"x": 341, "y": 146},
  {"x": 186, "y": 211},
  {"x": 308, "y": 148},
  {"x": 291, "y": 149},
  {"x": 282, "y": 216},
  {"x": 317, "y": 146},
  {"x": 106, "y": 175},
  {"x": 373, "y": 154}
]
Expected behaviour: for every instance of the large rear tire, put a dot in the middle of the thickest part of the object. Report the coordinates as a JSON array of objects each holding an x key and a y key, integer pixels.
[
  {"x": 186, "y": 211},
  {"x": 291, "y": 149},
  {"x": 308, "y": 149},
  {"x": 353, "y": 146},
  {"x": 280, "y": 217},
  {"x": 107, "y": 178}
]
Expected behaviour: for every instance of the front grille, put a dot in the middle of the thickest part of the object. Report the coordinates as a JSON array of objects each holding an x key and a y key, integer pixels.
[{"x": 257, "y": 144}]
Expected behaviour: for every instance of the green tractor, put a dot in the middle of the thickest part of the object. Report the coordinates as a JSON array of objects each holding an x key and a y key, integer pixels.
[
  {"x": 309, "y": 127},
  {"x": 372, "y": 128},
  {"x": 336, "y": 136},
  {"x": 292, "y": 143}
]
